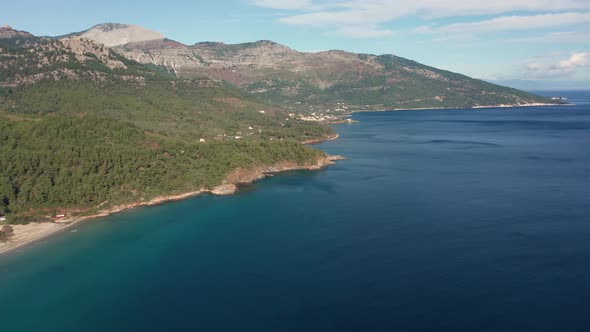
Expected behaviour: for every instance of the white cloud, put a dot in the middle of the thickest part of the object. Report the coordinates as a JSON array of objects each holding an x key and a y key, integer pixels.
[
  {"x": 380, "y": 11},
  {"x": 362, "y": 32},
  {"x": 461, "y": 37},
  {"x": 556, "y": 37},
  {"x": 336, "y": 15},
  {"x": 506, "y": 23},
  {"x": 565, "y": 67},
  {"x": 347, "y": 17},
  {"x": 575, "y": 61},
  {"x": 283, "y": 4}
]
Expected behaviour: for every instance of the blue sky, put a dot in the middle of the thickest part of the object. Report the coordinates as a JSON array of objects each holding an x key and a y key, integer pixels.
[{"x": 527, "y": 43}]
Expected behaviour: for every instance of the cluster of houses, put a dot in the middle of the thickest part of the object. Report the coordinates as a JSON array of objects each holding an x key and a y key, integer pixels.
[
  {"x": 318, "y": 117},
  {"x": 321, "y": 115}
]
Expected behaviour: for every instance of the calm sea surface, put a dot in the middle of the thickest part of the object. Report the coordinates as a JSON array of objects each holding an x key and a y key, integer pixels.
[{"x": 456, "y": 220}]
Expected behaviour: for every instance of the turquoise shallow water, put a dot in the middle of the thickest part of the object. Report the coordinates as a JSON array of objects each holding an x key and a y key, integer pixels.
[{"x": 455, "y": 220}]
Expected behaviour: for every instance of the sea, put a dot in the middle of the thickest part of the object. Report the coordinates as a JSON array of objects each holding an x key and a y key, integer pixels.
[{"x": 439, "y": 220}]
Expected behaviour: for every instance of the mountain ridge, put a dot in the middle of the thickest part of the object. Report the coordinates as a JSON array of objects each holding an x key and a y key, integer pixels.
[
  {"x": 323, "y": 80},
  {"x": 73, "y": 76},
  {"x": 308, "y": 81}
]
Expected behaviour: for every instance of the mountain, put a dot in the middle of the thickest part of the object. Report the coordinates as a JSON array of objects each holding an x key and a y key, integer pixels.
[
  {"x": 114, "y": 34},
  {"x": 323, "y": 80},
  {"x": 73, "y": 76}
]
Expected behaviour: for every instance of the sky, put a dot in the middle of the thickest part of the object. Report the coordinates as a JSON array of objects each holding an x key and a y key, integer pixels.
[{"x": 528, "y": 44}]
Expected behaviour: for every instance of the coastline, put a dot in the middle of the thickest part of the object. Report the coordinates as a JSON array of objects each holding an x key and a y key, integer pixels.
[
  {"x": 465, "y": 108},
  {"x": 347, "y": 115},
  {"x": 476, "y": 107},
  {"x": 35, "y": 231}
]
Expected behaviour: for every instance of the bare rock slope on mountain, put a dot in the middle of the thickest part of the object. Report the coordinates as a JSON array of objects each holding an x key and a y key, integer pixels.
[{"x": 114, "y": 34}]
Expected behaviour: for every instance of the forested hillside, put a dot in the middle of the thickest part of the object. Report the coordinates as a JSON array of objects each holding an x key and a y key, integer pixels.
[
  {"x": 57, "y": 162},
  {"x": 73, "y": 77},
  {"x": 83, "y": 127}
]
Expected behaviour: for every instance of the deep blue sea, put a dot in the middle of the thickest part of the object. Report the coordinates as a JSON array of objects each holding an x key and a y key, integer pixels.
[{"x": 449, "y": 220}]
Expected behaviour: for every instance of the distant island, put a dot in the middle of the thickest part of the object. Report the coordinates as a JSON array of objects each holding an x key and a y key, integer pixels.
[{"x": 118, "y": 116}]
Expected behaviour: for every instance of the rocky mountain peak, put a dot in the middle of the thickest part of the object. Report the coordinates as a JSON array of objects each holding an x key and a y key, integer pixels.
[
  {"x": 116, "y": 34},
  {"x": 266, "y": 42},
  {"x": 106, "y": 27}
]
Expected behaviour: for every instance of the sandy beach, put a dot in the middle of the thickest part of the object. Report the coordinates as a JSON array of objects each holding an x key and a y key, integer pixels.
[
  {"x": 35, "y": 231},
  {"x": 24, "y": 234}
]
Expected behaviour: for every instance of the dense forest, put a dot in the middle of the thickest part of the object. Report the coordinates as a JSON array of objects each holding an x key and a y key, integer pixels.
[{"x": 57, "y": 162}]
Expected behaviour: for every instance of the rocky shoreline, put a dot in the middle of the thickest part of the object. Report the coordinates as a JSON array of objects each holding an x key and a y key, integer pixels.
[{"x": 36, "y": 231}]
